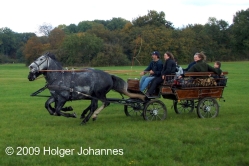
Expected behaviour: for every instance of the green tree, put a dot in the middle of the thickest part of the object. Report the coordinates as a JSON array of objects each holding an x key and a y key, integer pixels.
[
  {"x": 72, "y": 28},
  {"x": 80, "y": 48},
  {"x": 112, "y": 55},
  {"x": 83, "y": 26},
  {"x": 90, "y": 46},
  {"x": 241, "y": 33},
  {"x": 153, "y": 18},
  {"x": 32, "y": 49},
  {"x": 8, "y": 44},
  {"x": 116, "y": 24},
  {"x": 56, "y": 37}
]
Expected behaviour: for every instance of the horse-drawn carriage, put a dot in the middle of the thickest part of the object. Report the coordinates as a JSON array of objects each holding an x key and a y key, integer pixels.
[
  {"x": 68, "y": 85},
  {"x": 187, "y": 94}
]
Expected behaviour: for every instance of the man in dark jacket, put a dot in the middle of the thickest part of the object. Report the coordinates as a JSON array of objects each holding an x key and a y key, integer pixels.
[
  {"x": 169, "y": 68},
  {"x": 154, "y": 69}
]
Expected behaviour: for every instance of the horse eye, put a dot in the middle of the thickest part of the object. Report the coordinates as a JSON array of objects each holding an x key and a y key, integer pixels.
[{"x": 41, "y": 59}]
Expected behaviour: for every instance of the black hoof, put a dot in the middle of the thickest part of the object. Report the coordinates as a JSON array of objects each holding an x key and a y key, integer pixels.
[
  {"x": 74, "y": 115},
  {"x": 83, "y": 123},
  {"x": 55, "y": 114},
  {"x": 94, "y": 118},
  {"x": 70, "y": 108}
]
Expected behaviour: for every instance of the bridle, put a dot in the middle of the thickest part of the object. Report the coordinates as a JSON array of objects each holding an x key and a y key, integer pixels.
[{"x": 38, "y": 65}]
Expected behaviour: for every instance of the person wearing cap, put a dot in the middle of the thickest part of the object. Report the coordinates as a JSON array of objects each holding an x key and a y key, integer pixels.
[
  {"x": 169, "y": 68},
  {"x": 154, "y": 69}
]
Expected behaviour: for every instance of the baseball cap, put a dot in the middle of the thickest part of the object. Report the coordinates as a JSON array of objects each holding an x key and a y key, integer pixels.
[{"x": 156, "y": 53}]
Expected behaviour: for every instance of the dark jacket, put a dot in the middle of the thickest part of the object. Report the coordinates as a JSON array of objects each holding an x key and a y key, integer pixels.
[
  {"x": 201, "y": 66},
  {"x": 189, "y": 66},
  {"x": 169, "y": 67},
  {"x": 156, "y": 67}
]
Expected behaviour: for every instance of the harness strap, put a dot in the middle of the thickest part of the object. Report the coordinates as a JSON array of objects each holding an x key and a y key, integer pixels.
[
  {"x": 71, "y": 85},
  {"x": 39, "y": 91},
  {"x": 56, "y": 87}
]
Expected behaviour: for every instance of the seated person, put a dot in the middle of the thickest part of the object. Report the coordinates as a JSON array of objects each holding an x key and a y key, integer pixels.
[
  {"x": 179, "y": 70},
  {"x": 201, "y": 66},
  {"x": 217, "y": 66},
  {"x": 154, "y": 69},
  {"x": 191, "y": 64},
  {"x": 169, "y": 68},
  {"x": 220, "y": 79}
]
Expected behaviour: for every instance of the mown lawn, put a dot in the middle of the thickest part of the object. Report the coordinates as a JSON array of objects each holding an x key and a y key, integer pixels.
[{"x": 115, "y": 139}]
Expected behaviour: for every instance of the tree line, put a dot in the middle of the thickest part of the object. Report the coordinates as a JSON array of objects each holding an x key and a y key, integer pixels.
[{"x": 119, "y": 42}]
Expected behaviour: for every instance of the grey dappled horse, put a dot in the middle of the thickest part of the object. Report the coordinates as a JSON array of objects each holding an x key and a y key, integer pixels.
[{"x": 89, "y": 84}]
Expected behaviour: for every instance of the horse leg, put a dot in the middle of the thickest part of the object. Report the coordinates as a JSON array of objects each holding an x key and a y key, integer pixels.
[
  {"x": 48, "y": 106},
  {"x": 97, "y": 111},
  {"x": 65, "y": 109},
  {"x": 51, "y": 110},
  {"x": 85, "y": 112},
  {"x": 92, "y": 107},
  {"x": 58, "y": 108}
]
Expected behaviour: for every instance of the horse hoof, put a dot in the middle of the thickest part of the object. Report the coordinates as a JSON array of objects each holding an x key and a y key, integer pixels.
[
  {"x": 94, "y": 118},
  {"x": 55, "y": 114},
  {"x": 83, "y": 123},
  {"x": 74, "y": 115},
  {"x": 70, "y": 108}
]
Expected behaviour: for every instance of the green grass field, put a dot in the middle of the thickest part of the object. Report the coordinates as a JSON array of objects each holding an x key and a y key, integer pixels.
[{"x": 115, "y": 139}]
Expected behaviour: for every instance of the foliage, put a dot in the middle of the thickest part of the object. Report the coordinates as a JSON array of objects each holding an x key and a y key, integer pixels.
[
  {"x": 80, "y": 48},
  {"x": 81, "y": 44},
  {"x": 240, "y": 32},
  {"x": 33, "y": 49},
  {"x": 112, "y": 55},
  {"x": 55, "y": 38}
]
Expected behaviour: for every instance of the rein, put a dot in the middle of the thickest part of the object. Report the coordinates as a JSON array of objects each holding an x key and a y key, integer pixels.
[{"x": 83, "y": 70}]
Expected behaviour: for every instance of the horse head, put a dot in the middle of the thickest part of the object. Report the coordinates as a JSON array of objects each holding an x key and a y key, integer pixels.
[{"x": 40, "y": 64}]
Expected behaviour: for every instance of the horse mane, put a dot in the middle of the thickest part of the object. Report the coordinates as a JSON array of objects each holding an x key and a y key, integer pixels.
[{"x": 52, "y": 56}]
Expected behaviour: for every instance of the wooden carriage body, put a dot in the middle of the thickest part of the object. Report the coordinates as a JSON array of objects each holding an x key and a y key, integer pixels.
[{"x": 185, "y": 91}]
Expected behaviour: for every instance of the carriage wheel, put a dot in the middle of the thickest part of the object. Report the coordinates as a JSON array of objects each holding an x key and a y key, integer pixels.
[
  {"x": 155, "y": 110},
  {"x": 134, "y": 110},
  {"x": 208, "y": 108},
  {"x": 184, "y": 106}
]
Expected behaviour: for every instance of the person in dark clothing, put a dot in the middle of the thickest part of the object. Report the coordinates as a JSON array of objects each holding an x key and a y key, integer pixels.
[
  {"x": 217, "y": 65},
  {"x": 191, "y": 64},
  {"x": 169, "y": 68},
  {"x": 201, "y": 66},
  {"x": 154, "y": 69},
  {"x": 220, "y": 79}
]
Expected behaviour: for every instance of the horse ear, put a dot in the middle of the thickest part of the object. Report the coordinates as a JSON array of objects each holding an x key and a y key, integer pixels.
[{"x": 52, "y": 56}]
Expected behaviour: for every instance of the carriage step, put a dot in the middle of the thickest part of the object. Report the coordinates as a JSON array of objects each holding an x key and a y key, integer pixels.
[{"x": 151, "y": 96}]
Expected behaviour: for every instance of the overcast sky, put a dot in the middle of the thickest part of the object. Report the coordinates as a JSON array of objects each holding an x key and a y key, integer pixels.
[{"x": 27, "y": 15}]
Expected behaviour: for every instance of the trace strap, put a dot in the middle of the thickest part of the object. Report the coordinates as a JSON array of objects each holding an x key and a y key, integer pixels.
[{"x": 39, "y": 91}]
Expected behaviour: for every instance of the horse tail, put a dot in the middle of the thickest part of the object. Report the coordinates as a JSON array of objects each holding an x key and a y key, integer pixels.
[{"x": 121, "y": 86}]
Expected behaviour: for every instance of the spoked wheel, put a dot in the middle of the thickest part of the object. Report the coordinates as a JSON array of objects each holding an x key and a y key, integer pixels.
[
  {"x": 135, "y": 109},
  {"x": 184, "y": 106},
  {"x": 208, "y": 108},
  {"x": 155, "y": 110}
]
